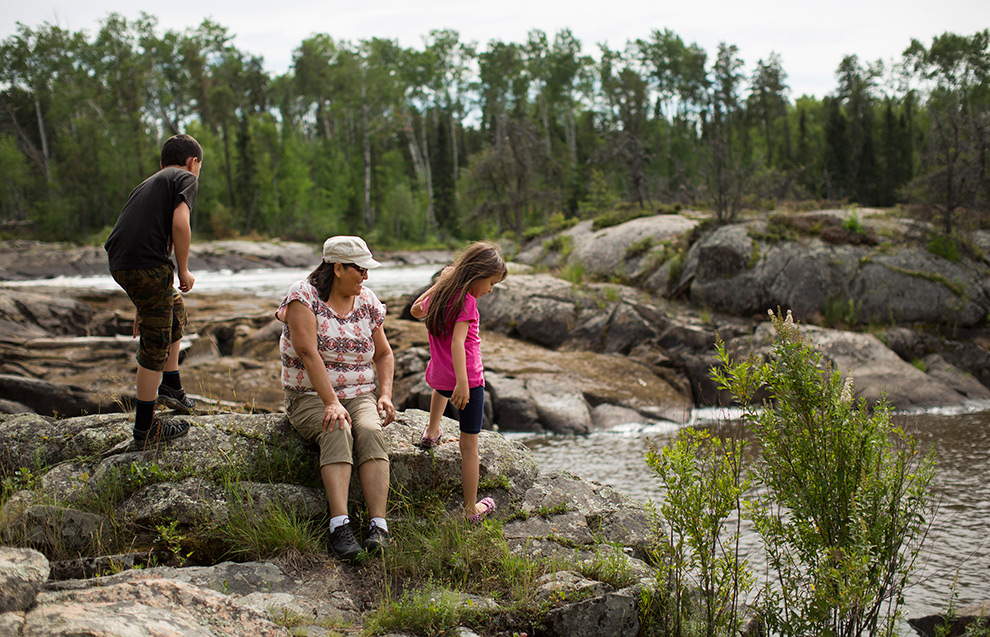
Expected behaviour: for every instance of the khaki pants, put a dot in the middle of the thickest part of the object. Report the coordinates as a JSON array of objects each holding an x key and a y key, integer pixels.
[{"x": 364, "y": 440}]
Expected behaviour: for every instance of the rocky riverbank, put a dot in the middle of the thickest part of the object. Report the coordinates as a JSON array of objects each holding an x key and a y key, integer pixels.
[
  {"x": 627, "y": 337},
  {"x": 98, "y": 508},
  {"x": 632, "y": 341}
]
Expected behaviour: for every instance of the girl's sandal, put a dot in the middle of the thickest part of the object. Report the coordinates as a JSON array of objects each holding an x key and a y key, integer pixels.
[
  {"x": 489, "y": 505},
  {"x": 429, "y": 443}
]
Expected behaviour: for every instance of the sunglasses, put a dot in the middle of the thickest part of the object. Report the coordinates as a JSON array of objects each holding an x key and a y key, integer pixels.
[{"x": 361, "y": 271}]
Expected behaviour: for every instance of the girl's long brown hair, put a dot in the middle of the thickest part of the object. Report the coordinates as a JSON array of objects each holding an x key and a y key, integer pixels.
[{"x": 479, "y": 261}]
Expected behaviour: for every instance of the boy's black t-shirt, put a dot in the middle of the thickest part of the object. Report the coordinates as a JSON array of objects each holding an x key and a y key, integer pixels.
[{"x": 142, "y": 236}]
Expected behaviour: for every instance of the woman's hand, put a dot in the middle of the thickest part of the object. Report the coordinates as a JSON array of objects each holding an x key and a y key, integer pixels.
[
  {"x": 460, "y": 396},
  {"x": 386, "y": 410},
  {"x": 335, "y": 416}
]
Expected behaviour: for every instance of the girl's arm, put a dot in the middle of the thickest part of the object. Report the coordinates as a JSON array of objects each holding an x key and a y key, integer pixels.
[
  {"x": 302, "y": 326},
  {"x": 417, "y": 310},
  {"x": 462, "y": 392}
]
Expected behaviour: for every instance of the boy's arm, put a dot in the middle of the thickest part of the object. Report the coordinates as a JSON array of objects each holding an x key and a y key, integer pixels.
[
  {"x": 462, "y": 392},
  {"x": 181, "y": 240}
]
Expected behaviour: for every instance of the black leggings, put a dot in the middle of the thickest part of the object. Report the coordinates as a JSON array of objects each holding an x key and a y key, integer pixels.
[{"x": 473, "y": 413}]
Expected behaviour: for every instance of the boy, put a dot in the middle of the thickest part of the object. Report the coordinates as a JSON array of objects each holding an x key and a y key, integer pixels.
[{"x": 153, "y": 221}]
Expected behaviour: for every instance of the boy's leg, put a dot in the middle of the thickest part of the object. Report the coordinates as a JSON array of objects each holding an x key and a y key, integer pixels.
[
  {"x": 151, "y": 292},
  {"x": 170, "y": 391}
]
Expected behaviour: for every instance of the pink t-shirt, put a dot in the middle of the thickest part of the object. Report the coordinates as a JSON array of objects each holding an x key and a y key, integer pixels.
[
  {"x": 440, "y": 370},
  {"x": 346, "y": 343}
]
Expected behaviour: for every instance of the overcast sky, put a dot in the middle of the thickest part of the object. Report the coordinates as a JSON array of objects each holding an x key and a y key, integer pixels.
[{"x": 810, "y": 37}]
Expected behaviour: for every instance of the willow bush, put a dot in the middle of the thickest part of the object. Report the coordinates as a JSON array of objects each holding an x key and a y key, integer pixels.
[{"x": 838, "y": 495}]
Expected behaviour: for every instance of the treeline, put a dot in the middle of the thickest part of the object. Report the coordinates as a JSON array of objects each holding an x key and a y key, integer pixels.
[{"x": 454, "y": 139}]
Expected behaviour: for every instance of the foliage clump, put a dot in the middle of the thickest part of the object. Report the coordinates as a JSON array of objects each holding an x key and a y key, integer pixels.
[
  {"x": 623, "y": 214},
  {"x": 838, "y": 496}
]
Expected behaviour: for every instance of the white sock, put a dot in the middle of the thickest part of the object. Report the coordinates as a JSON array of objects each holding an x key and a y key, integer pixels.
[
  {"x": 338, "y": 520},
  {"x": 380, "y": 523}
]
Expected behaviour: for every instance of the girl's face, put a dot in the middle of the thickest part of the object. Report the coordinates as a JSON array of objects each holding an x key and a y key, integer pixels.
[{"x": 482, "y": 287}]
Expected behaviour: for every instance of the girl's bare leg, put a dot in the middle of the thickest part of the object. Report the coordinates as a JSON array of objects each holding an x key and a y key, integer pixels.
[
  {"x": 438, "y": 403},
  {"x": 469, "y": 472}
]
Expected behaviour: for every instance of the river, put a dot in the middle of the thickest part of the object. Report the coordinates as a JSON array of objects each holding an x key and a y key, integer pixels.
[{"x": 958, "y": 546}]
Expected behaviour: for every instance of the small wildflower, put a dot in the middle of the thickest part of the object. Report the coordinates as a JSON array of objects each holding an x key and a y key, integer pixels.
[{"x": 847, "y": 391}]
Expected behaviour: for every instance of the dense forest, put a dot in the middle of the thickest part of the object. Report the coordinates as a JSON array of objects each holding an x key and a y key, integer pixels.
[{"x": 454, "y": 139}]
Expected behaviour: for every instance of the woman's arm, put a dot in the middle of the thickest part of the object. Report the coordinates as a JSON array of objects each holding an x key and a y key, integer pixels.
[
  {"x": 302, "y": 327},
  {"x": 385, "y": 369},
  {"x": 462, "y": 393}
]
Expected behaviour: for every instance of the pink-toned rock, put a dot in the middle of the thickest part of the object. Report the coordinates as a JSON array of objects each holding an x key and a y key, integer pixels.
[{"x": 152, "y": 607}]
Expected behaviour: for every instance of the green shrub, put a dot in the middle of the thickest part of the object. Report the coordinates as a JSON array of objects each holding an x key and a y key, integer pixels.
[
  {"x": 841, "y": 501},
  {"x": 841, "y": 312},
  {"x": 703, "y": 480},
  {"x": 844, "y": 505},
  {"x": 573, "y": 272},
  {"x": 618, "y": 216},
  {"x": 853, "y": 224},
  {"x": 639, "y": 246},
  {"x": 945, "y": 247},
  {"x": 422, "y": 612},
  {"x": 561, "y": 244},
  {"x": 254, "y": 532}
]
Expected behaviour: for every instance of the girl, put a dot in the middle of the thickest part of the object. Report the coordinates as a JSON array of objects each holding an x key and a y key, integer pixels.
[{"x": 455, "y": 371}]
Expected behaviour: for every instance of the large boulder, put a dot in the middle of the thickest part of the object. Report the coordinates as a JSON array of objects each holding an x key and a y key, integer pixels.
[
  {"x": 733, "y": 270},
  {"x": 875, "y": 369},
  {"x": 561, "y": 512},
  {"x": 25, "y": 314},
  {"x": 55, "y": 399},
  {"x": 148, "y": 607},
  {"x": 969, "y": 620},
  {"x": 22, "y": 573},
  {"x": 627, "y": 251}
]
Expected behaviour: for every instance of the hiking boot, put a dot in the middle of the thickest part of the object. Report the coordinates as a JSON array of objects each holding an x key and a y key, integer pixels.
[
  {"x": 377, "y": 539},
  {"x": 161, "y": 429},
  {"x": 342, "y": 542},
  {"x": 176, "y": 399}
]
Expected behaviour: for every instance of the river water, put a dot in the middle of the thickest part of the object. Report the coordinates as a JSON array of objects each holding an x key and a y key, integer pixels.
[{"x": 957, "y": 548}]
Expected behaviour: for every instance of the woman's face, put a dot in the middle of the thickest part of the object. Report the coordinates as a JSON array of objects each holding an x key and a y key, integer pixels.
[
  {"x": 349, "y": 279},
  {"x": 482, "y": 287}
]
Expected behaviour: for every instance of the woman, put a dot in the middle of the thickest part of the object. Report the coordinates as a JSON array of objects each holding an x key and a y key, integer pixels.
[{"x": 333, "y": 347}]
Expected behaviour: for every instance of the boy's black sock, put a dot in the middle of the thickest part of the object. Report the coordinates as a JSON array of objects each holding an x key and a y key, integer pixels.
[
  {"x": 144, "y": 413},
  {"x": 172, "y": 380}
]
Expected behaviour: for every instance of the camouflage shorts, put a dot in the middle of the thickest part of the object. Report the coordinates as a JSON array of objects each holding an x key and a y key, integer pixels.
[{"x": 161, "y": 312}]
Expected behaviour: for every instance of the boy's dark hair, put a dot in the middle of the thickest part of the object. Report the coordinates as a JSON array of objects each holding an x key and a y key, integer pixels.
[{"x": 178, "y": 148}]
